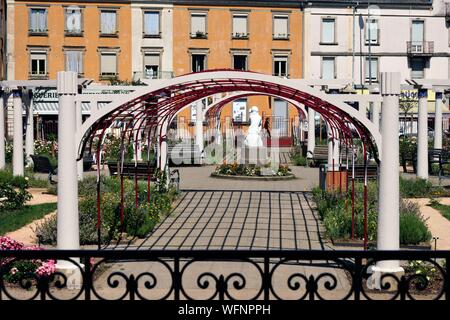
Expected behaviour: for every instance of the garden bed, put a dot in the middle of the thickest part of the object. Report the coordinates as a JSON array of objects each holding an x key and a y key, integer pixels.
[
  {"x": 335, "y": 211},
  {"x": 288, "y": 176},
  {"x": 359, "y": 243}
]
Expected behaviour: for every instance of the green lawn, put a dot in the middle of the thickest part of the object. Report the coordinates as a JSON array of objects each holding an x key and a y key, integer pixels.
[
  {"x": 443, "y": 209},
  {"x": 13, "y": 220}
]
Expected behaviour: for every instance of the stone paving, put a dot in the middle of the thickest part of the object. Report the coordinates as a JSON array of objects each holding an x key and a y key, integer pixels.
[
  {"x": 214, "y": 219},
  {"x": 236, "y": 215},
  {"x": 239, "y": 214}
]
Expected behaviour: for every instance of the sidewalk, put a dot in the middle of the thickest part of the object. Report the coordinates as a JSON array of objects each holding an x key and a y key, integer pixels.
[{"x": 438, "y": 225}]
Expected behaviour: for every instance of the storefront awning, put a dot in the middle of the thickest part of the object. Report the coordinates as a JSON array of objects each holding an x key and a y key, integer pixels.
[{"x": 52, "y": 107}]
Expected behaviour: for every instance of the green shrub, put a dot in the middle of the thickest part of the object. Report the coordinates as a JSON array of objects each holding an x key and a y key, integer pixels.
[
  {"x": 335, "y": 210},
  {"x": 299, "y": 160},
  {"x": 137, "y": 221},
  {"x": 413, "y": 229},
  {"x": 13, "y": 191},
  {"x": 35, "y": 182},
  {"x": 415, "y": 188}
]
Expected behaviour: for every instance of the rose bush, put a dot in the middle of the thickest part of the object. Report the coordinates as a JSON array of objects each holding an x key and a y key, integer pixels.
[{"x": 21, "y": 270}]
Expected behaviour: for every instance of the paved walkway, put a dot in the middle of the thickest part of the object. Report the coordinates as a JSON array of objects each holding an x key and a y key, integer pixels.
[
  {"x": 439, "y": 226},
  {"x": 199, "y": 178},
  {"x": 239, "y": 220},
  {"x": 238, "y": 214},
  {"x": 26, "y": 234}
]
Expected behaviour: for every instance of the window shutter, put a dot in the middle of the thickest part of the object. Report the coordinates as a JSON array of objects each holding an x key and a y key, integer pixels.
[
  {"x": 328, "y": 68},
  {"x": 108, "y": 22},
  {"x": 280, "y": 26},
  {"x": 151, "y": 59},
  {"x": 372, "y": 73},
  {"x": 74, "y": 61},
  {"x": 372, "y": 30},
  {"x": 198, "y": 23},
  {"x": 151, "y": 23},
  {"x": 38, "y": 56},
  {"x": 240, "y": 25},
  {"x": 328, "y": 30},
  {"x": 108, "y": 63}
]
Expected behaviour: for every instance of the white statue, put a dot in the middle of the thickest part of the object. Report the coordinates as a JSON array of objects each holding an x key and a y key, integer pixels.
[{"x": 253, "y": 138}]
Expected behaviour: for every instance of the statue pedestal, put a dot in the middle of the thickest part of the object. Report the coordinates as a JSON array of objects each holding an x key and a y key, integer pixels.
[{"x": 253, "y": 155}]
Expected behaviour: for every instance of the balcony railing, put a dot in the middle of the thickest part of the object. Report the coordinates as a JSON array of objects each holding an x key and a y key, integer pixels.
[
  {"x": 159, "y": 75},
  {"x": 420, "y": 48},
  {"x": 225, "y": 275}
]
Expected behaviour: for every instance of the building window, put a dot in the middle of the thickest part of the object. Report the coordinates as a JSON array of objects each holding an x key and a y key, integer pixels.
[
  {"x": 417, "y": 68},
  {"x": 328, "y": 68},
  {"x": 152, "y": 24},
  {"x": 74, "y": 61},
  {"x": 73, "y": 18},
  {"x": 240, "y": 26},
  {"x": 371, "y": 70},
  {"x": 417, "y": 32},
  {"x": 280, "y": 66},
  {"x": 108, "y": 22},
  {"x": 38, "y": 64},
  {"x": 198, "y": 25},
  {"x": 281, "y": 27},
  {"x": 240, "y": 62},
  {"x": 328, "y": 31},
  {"x": 38, "y": 21},
  {"x": 372, "y": 32},
  {"x": 108, "y": 64},
  {"x": 198, "y": 62},
  {"x": 240, "y": 110},
  {"x": 152, "y": 66}
]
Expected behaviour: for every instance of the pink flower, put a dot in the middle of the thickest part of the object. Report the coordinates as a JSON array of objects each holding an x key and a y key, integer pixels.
[{"x": 46, "y": 269}]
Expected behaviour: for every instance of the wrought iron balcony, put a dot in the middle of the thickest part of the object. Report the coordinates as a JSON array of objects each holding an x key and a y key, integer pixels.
[
  {"x": 420, "y": 48},
  {"x": 159, "y": 75}
]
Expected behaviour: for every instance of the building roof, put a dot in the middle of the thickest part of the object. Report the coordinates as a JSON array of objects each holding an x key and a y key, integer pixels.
[
  {"x": 364, "y": 3},
  {"x": 267, "y": 3}
]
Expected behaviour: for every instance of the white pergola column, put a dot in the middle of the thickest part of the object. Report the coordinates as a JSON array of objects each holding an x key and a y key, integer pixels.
[
  {"x": 375, "y": 112},
  {"x": 333, "y": 150},
  {"x": 67, "y": 216},
  {"x": 388, "y": 236},
  {"x": 2, "y": 131},
  {"x": 199, "y": 126},
  {"x": 18, "y": 167},
  {"x": 137, "y": 137},
  {"x": 163, "y": 158},
  {"x": 422, "y": 135},
  {"x": 438, "y": 121},
  {"x": 29, "y": 133},
  {"x": 311, "y": 132},
  {"x": 79, "y": 122}
]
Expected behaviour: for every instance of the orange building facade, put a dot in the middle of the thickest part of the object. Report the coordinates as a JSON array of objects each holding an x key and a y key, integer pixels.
[
  {"x": 91, "y": 38},
  {"x": 113, "y": 39},
  {"x": 260, "y": 39}
]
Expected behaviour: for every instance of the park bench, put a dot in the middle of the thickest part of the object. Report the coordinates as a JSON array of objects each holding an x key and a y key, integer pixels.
[
  {"x": 88, "y": 160},
  {"x": 372, "y": 172},
  {"x": 42, "y": 164},
  {"x": 342, "y": 178},
  {"x": 141, "y": 170},
  {"x": 320, "y": 154},
  {"x": 184, "y": 154},
  {"x": 409, "y": 158},
  {"x": 441, "y": 158},
  {"x": 129, "y": 169}
]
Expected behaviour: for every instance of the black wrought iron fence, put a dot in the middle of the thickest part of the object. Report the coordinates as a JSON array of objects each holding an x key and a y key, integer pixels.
[{"x": 223, "y": 275}]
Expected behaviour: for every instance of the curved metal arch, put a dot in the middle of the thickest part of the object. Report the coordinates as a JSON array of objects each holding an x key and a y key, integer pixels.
[
  {"x": 228, "y": 81},
  {"x": 241, "y": 94}
]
